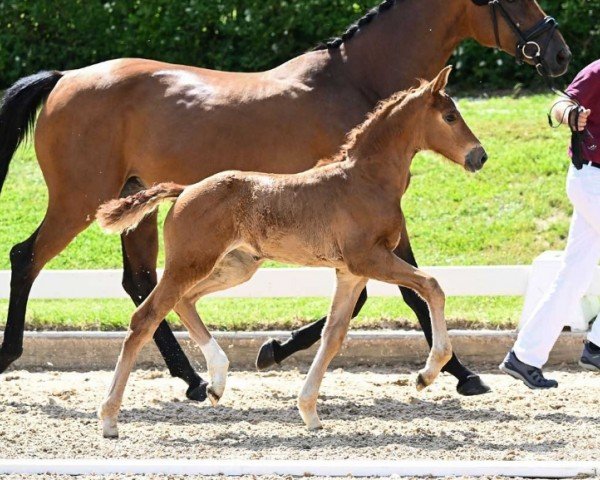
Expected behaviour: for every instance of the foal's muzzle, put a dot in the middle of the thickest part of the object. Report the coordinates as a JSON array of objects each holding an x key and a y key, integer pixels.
[{"x": 475, "y": 159}]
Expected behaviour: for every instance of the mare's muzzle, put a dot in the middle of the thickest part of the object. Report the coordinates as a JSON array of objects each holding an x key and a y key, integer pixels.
[{"x": 475, "y": 159}]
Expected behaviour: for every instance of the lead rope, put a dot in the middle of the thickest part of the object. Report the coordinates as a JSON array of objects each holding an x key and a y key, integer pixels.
[{"x": 572, "y": 121}]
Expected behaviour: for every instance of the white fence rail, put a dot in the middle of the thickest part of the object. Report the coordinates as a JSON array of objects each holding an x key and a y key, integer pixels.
[
  {"x": 503, "y": 280},
  {"x": 282, "y": 282}
]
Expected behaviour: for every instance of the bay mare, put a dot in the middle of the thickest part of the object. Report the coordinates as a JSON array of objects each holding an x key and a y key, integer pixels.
[
  {"x": 111, "y": 128},
  {"x": 345, "y": 214}
]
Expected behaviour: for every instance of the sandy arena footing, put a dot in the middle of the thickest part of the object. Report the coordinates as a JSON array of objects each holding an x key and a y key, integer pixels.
[{"x": 367, "y": 413}]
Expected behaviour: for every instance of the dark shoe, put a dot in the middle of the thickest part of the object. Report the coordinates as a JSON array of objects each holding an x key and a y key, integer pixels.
[
  {"x": 472, "y": 385},
  {"x": 531, "y": 376},
  {"x": 590, "y": 357}
]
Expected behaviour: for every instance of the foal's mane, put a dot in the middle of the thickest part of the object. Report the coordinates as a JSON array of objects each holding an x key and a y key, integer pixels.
[
  {"x": 367, "y": 18},
  {"x": 374, "y": 118}
]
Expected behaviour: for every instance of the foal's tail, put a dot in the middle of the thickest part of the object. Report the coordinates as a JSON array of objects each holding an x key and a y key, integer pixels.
[
  {"x": 124, "y": 214},
  {"x": 18, "y": 108}
]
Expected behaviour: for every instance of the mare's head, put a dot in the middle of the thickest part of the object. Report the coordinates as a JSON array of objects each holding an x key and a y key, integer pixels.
[
  {"x": 434, "y": 123},
  {"x": 520, "y": 28}
]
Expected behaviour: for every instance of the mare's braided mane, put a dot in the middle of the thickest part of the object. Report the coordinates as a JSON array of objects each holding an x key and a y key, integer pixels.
[{"x": 355, "y": 27}]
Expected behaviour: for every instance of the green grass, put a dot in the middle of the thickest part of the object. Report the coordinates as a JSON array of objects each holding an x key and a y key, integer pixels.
[
  {"x": 262, "y": 314},
  {"x": 508, "y": 213}
]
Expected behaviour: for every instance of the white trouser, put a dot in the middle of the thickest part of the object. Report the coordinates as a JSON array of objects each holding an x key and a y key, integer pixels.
[{"x": 540, "y": 332}]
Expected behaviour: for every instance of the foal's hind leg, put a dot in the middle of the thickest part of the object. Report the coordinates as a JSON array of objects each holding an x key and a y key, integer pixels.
[
  {"x": 347, "y": 290},
  {"x": 236, "y": 267},
  {"x": 216, "y": 360},
  {"x": 140, "y": 250},
  {"x": 168, "y": 292},
  {"x": 63, "y": 221}
]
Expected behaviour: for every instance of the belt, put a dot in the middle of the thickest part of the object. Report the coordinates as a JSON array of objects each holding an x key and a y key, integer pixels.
[{"x": 591, "y": 164}]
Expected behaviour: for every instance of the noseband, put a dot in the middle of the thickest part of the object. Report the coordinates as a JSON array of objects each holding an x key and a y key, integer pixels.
[{"x": 528, "y": 46}]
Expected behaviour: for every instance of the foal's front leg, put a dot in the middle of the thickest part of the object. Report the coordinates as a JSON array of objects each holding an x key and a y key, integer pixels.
[
  {"x": 381, "y": 264},
  {"x": 347, "y": 290}
]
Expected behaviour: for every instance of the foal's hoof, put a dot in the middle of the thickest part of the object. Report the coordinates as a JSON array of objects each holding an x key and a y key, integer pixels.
[
  {"x": 421, "y": 383},
  {"x": 311, "y": 419},
  {"x": 473, "y": 385},
  {"x": 109, "y": 429},
  {"x": 213, "y": 396},
  {"x": 266, "y": 355},
  {"x": 197, "y": 393},
  {"x": 315, "y": 426}
]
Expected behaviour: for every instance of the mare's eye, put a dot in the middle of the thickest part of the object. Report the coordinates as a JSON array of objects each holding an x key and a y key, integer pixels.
[{"x": 450, "y": 117}]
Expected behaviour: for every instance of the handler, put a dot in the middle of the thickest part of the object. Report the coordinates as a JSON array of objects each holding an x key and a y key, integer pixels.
[{"x": 540, "y": 332}]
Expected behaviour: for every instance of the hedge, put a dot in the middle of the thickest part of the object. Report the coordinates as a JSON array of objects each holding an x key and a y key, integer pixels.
[{"x": 232, "y": 35}]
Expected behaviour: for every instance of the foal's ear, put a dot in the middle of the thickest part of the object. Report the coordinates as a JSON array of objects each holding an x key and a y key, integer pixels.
[{"x": 440, "y": 82}]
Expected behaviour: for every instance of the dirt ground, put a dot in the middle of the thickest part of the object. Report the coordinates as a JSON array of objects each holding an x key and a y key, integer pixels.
[
  {"x": 367, "y": 413},
  {"x": 194, "y": 477}
]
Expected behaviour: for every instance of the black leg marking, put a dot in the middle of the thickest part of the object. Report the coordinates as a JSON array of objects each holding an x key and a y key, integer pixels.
[
  {"x": 21, "y": 260},
  {"x": 273, "y": 351}
]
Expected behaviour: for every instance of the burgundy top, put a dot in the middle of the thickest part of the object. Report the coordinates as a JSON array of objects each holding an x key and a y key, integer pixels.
[{"x": 586, "y": 89}]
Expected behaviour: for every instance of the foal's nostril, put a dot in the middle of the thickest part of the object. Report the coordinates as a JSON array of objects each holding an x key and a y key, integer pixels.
[{"x": 484, "y": 158}]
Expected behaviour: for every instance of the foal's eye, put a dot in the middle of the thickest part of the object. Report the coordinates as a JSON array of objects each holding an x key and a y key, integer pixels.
[{"x": 450, "y": 117}]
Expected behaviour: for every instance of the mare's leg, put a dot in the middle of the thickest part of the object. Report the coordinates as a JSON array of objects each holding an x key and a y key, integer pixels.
[
  {"x": 469, "y": 383},
  {"x": 383, "y": 265},
  {"x": 348, "y": 288},
  {"x": 273, "y": 351},
  {"x": 65, "y": 218},
  {"x": 140, "y": 250},
  {"x": 216, "y": 360}
]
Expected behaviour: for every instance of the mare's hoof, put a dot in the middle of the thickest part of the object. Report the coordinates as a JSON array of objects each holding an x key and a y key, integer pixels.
[
  {"x": 197, "y": 393},
  {"x": 473, "y": 385},
  {"x": 421, "y": 384},
  {"x": 266, "y": 355},
  {"x": 7, "y": 358}
]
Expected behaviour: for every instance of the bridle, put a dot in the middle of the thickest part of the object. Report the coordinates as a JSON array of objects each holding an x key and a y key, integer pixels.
[{"x": 528, "y": 46}]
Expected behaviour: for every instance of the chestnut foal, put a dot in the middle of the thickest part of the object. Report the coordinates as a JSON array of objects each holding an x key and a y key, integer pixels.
[{"x": 345, "y": 213}]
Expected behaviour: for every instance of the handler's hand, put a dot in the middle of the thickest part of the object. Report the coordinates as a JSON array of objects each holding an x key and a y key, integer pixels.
[{"x": 582, "y": 120}]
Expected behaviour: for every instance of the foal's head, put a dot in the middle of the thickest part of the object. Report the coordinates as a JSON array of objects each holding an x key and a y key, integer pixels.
[
  {"x": 444, "y": 129},
  {"x": 426, "y": 118}
]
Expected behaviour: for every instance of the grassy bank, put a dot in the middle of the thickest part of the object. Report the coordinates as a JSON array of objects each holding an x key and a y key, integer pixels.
[
  {"x": 269, "y": 314},
  {"x": 507, "y": 214}
]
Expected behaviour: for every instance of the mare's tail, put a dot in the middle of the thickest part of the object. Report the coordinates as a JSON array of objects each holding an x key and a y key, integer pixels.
[
  {"x": 124, "y": 214},
  {"x": 18, "y": 109}
]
